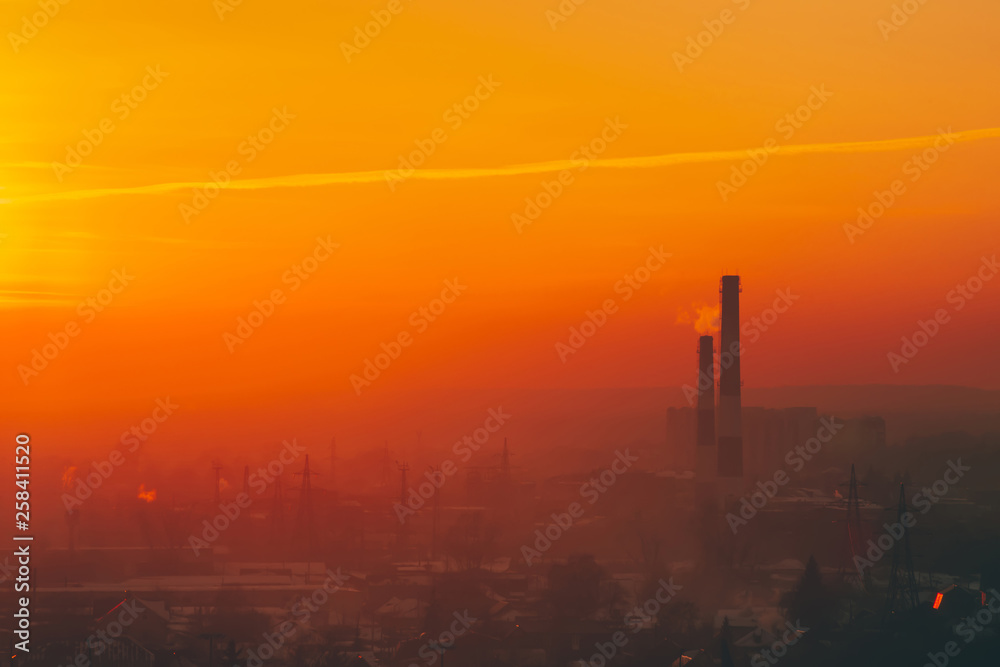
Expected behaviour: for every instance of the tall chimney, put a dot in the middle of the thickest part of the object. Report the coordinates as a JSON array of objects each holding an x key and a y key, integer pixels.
[
  {"x": 730, "y": 433},
  {"x": 705, "y": 452}
]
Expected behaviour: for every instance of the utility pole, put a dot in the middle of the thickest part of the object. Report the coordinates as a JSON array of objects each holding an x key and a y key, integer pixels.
[
  {"x": 401, "y": 535},
  {"x": 211, "y": 637},
  {"x": 333, "y": 463},
  {"x": 434, "y": 518},
  {"x": 278, "y": 508},
  {"x": 403, "y": 468},
  {"x": 217, "y": 467},
  {"x": 386, "y": 467}
]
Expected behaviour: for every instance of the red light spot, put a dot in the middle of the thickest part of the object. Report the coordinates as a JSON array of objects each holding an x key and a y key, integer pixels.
[
  {"x": 148, "y": 496},
  {"x": 937, "y": 600}
]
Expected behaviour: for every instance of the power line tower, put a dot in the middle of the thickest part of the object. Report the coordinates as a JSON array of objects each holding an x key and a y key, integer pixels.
[
  {"x": 278, "y": 509},
  {"x": 853, "y": 545},
  {"x": 505, "y": 463},
  {"x": 401, "y": 533},
  {"x": 386, "y": 466},
  {"x": 902, "y": 594},
  {"x": 304, "y": 520}
]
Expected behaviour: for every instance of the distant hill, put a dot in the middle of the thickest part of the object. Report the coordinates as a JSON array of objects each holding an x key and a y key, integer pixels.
[{"x": 550, "y": 431}]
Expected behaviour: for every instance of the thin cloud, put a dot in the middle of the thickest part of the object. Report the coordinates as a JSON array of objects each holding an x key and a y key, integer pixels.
[
  {"x": 647, "y": 162},
  {"x": 48, "y": 165}
]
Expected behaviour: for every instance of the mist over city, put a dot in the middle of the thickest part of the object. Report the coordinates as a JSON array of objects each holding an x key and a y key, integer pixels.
[{"x": 535, "y": 333}]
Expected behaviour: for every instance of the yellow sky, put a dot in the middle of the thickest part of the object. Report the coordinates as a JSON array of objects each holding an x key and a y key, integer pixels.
[{"x": 556, "y": 88}]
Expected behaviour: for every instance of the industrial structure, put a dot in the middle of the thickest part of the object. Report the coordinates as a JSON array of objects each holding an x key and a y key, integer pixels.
[
  {"x": 730, "y": 427},
  {"x": 382, "y": 567},
  {"x": 719, "y": 432},
  {"x": 706, "y": 459}
]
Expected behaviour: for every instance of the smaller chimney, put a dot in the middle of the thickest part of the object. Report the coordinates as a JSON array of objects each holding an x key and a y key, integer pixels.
[{"x": 706, "y": 456}]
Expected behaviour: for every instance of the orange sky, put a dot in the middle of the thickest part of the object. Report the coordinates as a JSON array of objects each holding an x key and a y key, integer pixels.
[{"x": 555, "y": 91}]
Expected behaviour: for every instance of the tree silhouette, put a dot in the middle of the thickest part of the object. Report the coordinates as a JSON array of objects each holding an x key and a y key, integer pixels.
[
  {"x": 725, "y": 639},
  {"x": 812, "y": 603}
]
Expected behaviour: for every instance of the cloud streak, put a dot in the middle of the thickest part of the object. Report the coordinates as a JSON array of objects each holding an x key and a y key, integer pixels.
[{"x": 646, "y": 162}]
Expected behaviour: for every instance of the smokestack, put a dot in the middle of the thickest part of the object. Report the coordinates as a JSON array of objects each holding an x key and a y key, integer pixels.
[
  {"x": 705, "y": 452},
  {"x": 730, "y": 433}
]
